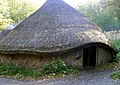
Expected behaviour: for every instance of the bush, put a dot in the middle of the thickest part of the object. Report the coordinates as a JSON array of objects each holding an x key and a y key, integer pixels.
[
  {"x": 4, "y": 22},
  {"x": 57, "y": 68},
  {"x": 116, "y": 75},
  {"x": 117, "y": 44},
  {"x": 118, "y": 57}
]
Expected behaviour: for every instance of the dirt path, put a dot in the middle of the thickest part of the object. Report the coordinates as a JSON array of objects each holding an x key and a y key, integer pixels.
[{"x": 84, "y": 78}]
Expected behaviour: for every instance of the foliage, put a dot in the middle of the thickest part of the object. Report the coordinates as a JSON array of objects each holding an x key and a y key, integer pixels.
[
  {"x": 4, "y": 20},
  {"x": 59, "y": 67},
  {"x": 107, "y": 66},
  {"x": 103, "y": 15},
  {"x": 117, "y": 44},
  {"x": 118, "y": 57},
  {"x": 17, "y": 72},
  {"x": 20, "y": 9},
  {"x": 115, "y": 75},
  {"x": 14, "y": 11},
  {"x": 54, "y": 69},
  {"x": 112, "y": 4}
]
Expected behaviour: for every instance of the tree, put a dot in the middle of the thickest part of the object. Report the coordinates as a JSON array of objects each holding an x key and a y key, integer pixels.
[
  {"x": 4, "y": 20},
  {"x": 20, "y": 9},
  {"x": 115, "y": 5},
  {"x": 112, "y": 4},
  {"x": 14, "y": 11},
  {"x": 103, "y": 15}
]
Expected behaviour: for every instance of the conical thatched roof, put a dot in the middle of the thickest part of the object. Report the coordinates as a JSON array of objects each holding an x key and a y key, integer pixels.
[
  {"x": 56, "y": 26},
  {"x": 4, "y": 33}
]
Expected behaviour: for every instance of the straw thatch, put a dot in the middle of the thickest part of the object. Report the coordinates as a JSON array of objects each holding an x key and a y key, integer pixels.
[
  {"x": 56, "y": 26},
  {"x": 3, "y": 33}
]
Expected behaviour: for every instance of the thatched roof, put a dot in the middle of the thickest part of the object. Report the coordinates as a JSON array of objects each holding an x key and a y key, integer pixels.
[
  {"x": 56, "y": 26},
  {"x": 4, "y": 33}
]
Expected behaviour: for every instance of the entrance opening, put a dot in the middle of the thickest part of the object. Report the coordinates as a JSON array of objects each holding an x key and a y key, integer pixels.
[{"x": 89, "y": 57}]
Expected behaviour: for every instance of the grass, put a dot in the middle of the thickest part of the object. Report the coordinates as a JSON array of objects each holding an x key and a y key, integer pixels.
[{"x": 54, "y": 69}]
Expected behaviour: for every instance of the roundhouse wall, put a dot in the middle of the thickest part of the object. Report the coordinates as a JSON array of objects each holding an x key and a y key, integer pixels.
[
  {"x": 103, "y": 56},
  {"x": 37, "y": 61},
  {"x": 73, "y": 57}
]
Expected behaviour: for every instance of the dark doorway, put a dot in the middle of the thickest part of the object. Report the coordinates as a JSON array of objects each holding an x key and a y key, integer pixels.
[{"x": 89, "y": 57}]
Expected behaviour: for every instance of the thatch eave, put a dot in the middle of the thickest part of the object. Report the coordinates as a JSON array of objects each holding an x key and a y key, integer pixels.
[{"x": 25, "y": 51}]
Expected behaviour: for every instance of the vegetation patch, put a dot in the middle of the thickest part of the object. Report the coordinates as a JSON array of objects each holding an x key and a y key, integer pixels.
[
  {"x": 116, "y": 75},
  {"x": 108, "y": 66},
  {"x": 56, "y": 68},
  {"x": 117, "y": 44},
  {"x": 118, "y": 57}
]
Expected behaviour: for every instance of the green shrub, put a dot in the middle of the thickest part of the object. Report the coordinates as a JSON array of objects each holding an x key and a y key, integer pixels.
[
  {"x": 59, "y": 67},
  {"x": 117, "y": 44},
  {"x": 115, "y": 75},
  {"x": 118, "y": 57},
  {"x": 56, "y": 68},
  {"x": 17, "y": 72}
]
